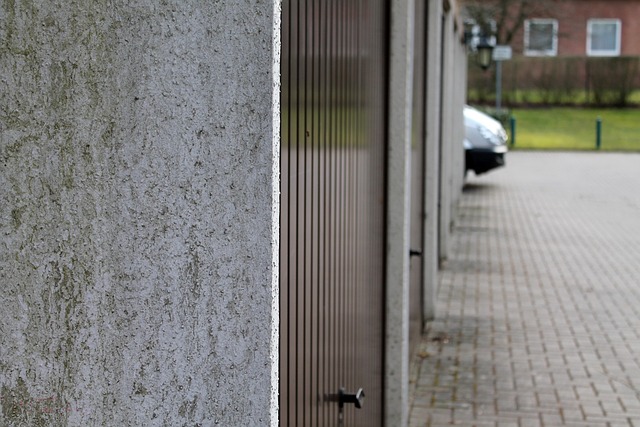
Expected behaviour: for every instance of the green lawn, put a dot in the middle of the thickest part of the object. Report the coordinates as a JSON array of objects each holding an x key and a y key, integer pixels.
[{"x": 575, "y": 128}]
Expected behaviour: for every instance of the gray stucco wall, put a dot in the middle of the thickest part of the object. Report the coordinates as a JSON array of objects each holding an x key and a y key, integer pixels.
[
  {"x": 433, "y": 119},
  {"x": 396, "y": 378},
  {"x": 138, "y": 213}
]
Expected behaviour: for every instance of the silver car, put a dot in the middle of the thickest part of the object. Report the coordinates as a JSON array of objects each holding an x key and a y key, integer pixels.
[{"x": 485, "y": 141}]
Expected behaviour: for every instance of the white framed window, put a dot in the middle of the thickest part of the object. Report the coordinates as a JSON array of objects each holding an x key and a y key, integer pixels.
[
  {"x": 541, "y": 37},
  {"x": 603, "y": 37}
]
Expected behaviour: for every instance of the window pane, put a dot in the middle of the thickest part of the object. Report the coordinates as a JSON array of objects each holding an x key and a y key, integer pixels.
[
  {"x": 541, "y": 36},
  {"x": 603, "y": 36}
]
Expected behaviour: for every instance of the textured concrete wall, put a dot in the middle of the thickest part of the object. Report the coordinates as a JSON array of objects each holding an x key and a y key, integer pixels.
[
  {"x": 457, "y": 104},
  {"x": 396, "y": 379},
  {"x": 432, "y": 160},
  {"x": 137, "y": 213},
  {"x": 448, "y": 134},
  {"x": 446, "y": 89}
]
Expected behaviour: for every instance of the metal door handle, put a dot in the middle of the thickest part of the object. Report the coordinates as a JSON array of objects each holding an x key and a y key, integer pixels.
[
  {"x": 356, "y": 398},
  {"x": 415, "y": 252}
]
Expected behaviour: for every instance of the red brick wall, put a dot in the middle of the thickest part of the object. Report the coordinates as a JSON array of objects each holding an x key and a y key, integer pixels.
[{"x": 572, "y": 16}]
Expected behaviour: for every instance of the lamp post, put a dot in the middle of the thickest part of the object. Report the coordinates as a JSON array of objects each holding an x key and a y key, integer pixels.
[
  {"x": 500, "y": 53},
  {"x": 482, "y": 45},
  {"x": 498, "y": 86}
]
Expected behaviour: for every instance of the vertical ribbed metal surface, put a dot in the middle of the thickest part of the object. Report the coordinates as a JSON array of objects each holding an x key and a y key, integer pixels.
[{"x": 332, "y": 210}]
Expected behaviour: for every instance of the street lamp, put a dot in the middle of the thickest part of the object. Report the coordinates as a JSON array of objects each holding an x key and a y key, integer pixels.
[
  {"x": 484, "y": 51},
  {"x": 479, "y": 43}
]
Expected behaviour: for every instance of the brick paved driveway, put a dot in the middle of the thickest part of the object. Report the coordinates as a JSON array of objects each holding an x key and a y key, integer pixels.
[{"x": 539, "y": 302}]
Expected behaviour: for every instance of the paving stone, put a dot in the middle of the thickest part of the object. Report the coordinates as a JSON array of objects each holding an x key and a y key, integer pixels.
[{"x": 539, "y": 305}]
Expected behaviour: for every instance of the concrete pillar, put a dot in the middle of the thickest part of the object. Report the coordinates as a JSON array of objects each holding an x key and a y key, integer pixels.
[
  {"x": 139, "y": 203},
  {"x": 446, "y": 165},
  {"x": 398, "y": 217},
  {"x": 432, "y": 161},
  {"x": 457, "y": 104}
]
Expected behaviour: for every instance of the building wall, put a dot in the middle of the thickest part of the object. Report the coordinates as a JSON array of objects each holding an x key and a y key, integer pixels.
[
  {"x": 573, "y": 24},
  {"x": 432, "y": 158},
  {"x": 451, "y": 145},
  {"x": 572, "y": 16},
  {"x": 459, "y": 96},
  {"x": 137, "y": 209},
  {"x": 446, "y": 64},
  {"x": 396, "y": 378}
]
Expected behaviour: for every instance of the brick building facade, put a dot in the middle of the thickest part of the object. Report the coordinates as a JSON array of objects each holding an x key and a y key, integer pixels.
[{"x": 582, "y": 28}]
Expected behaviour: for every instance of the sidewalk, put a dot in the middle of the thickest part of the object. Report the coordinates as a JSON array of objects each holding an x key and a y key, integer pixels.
[{"x": 539, "y": 306}]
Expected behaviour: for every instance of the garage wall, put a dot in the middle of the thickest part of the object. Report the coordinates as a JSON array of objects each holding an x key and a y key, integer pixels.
[
  {"x": 139, "y": 212},
  {"x": 444, "y": 157},
  {"x": 433, "y": 119},
  {"x": 444, "y": 171}
]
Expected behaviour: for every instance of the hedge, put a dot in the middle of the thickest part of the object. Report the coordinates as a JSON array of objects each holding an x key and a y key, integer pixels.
[{"x": 559, "y": 81}]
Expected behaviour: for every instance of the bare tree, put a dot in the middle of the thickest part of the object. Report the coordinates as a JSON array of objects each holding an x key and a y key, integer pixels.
[{"x": 506, "y": 17}]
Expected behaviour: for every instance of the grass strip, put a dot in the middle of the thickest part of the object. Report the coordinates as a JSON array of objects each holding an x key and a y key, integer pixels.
[{"x": 566, "y": 128}]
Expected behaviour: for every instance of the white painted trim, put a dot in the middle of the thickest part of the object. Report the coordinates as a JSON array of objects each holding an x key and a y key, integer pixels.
[{"x": 274, "y": 347}]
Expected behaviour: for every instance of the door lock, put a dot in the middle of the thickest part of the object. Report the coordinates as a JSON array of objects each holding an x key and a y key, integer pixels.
[
  {"x": 415, "y": 252},
  {"x": 343, "y": 397}
]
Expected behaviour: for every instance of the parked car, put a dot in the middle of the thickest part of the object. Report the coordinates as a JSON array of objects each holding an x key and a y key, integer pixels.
[{"x": 485, "y": 141}]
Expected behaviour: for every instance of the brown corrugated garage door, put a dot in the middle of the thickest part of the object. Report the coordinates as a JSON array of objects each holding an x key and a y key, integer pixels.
[{"x": 332, "y": 211}]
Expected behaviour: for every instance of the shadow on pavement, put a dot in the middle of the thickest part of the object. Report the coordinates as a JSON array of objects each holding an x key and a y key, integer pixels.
[{"x": 477, "y": 187}]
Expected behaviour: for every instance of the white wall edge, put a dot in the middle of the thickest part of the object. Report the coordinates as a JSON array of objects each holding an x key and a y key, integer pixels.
[{"x": 275, "y": 224}]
